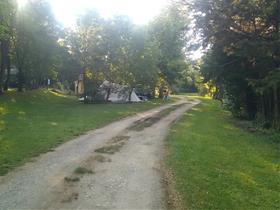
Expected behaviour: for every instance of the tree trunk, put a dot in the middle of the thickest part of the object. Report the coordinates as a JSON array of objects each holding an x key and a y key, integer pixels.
[
  {"x": 1, "y": 68},
  {"x": 270, "y": 115},
  {"x": 20, "y": 79},
  {"x": 108, "y": 94},
  {"x": 8, "y": 74},
  {"x": 262, "y": 104},
  {"x": 275, "y": 94},
  {"x": 4, "y": 58},
  {"x": 278, "y": 17},
  {"x": 85, "y": 87},
  {"x": 160, "y": 92}
]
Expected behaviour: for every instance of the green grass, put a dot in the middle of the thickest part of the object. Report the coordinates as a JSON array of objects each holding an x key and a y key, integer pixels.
[
  {"x": 34, "y": 122},
  {"x": 220, "y": 166}
]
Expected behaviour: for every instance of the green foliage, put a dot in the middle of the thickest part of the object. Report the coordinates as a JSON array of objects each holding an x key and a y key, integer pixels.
[
  {"x": 169, "y": 34},
  {"x": 114, "y": 49},
  {"x": 120, "y": 52},
  {"x": 7, "y": 12},
  {"x": 37, "y": 51},
  {"x": 218, "y": 165},
  {"x": 244, "y": 57}
]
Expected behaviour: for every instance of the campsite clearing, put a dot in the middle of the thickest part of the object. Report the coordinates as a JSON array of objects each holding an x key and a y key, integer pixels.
[{"x": 45, "y": 119}]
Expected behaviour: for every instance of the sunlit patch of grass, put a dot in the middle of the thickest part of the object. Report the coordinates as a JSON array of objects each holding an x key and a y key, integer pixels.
[
  {"x": 56, "y": 93},
  {"x": 195, "y": 96},
  {"x": 3, "y": 110},
  {"x": 219, "y": 165},
  {"x": 12, "y": 90},
  {"x": 246, "y": 178}
]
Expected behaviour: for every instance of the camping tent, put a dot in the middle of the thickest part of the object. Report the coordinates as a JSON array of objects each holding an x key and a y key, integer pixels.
[{"x": 118, "y": 93}]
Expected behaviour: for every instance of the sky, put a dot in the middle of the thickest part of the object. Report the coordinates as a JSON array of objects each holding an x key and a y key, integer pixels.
[{"x": 140, "y": 11}]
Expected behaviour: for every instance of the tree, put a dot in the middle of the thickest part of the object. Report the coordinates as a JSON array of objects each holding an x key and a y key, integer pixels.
[
  {"x": 114, "y": 50},
  {"x": 7, "y": 12},
  {"x": 168, "y": 31},
  {"x": 243, "y": 37},
  {"x": 36, "y": 46},
  {"x": 101, "y": 49},
  {"x": 142, "y": 71}
]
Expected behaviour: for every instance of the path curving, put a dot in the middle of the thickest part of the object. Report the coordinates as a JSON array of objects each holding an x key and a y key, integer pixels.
[{"x": 119, "y": 168}]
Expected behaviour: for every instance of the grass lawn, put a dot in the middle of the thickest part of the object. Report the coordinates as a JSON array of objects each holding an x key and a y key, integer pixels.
[
  {"x": 34, "y": 122},
  {"x": 218, "y": 165}
]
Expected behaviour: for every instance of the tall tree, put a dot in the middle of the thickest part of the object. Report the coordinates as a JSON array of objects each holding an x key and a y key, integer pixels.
[
  {"x": 243, "y": 60},
  {"x": 35, "y": 42},
  {"x": 7, "y": 13},
  {"x": 168, "y": 31}
]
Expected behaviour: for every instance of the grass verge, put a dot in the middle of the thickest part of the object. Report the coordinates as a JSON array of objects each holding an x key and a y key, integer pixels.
[
  {"x": 35, "y": 122},
  {"x": 218, "y": 165}
]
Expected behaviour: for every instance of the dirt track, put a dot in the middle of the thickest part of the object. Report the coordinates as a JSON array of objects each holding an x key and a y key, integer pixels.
[{"x": 119, "y": 168}]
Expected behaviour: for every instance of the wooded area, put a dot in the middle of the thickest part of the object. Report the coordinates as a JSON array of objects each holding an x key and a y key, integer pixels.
[
  {"x": 243, "y": 57},
  {"x": 39, "y": 48},
  {"x": 241, "y": 66}
]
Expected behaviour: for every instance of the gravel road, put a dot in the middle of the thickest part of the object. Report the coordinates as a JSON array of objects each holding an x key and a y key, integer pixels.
[{"x": 114, "y": 167}]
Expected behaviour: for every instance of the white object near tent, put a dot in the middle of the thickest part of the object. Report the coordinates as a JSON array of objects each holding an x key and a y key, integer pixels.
[{"x": 118, "y": 93}]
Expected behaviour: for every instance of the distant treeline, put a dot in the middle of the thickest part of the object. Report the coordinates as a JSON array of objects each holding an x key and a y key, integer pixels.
[{"x": 36, "y": 48}]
